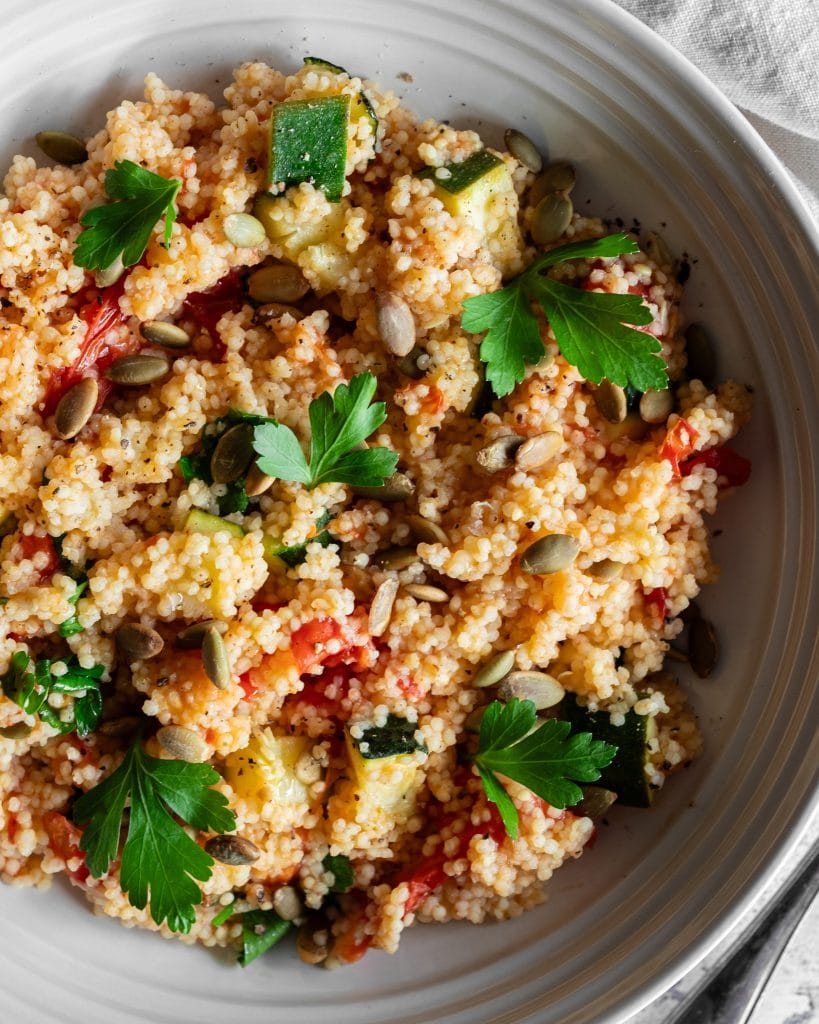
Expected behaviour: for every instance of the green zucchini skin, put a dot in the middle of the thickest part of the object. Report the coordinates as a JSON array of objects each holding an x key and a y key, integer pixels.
[
  {"x": 463, "y": 175},
  {"x": 308, "y": 142},
  {"x": 395, "y": 737}
]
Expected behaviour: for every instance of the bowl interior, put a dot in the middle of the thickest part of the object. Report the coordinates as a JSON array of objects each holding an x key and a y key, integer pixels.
[{"x": 652, "y": 144}]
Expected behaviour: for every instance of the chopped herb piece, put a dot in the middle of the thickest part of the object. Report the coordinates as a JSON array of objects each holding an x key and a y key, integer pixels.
[
  {"x": 591, "y": 328},
  {"x": 341, "y": 869},
  {"x": 122, "y": 229},
  {"x": 29, "y": 684},
  {"x": 224, "y": 914},
  {"x": 160, "y": 862},
  {"x": 71, "y": 626},
  {"x": 340, "y": 423},
  {"x": 396, "y": 736},
  {"x": 545, "y": 761},
  {"x": 261, "y": 929},
  {"x": 296, "y": 553}
]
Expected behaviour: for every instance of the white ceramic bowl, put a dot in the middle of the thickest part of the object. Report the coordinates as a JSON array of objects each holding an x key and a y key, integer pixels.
[{"x": 652, "y": 139}]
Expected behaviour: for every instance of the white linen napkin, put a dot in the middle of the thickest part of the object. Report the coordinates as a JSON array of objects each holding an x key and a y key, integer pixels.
[{"x": 764, "y": 55}]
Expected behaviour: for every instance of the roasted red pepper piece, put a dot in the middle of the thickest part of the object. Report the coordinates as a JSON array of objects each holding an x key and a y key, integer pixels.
[
  {"x": 678, "y": 445},
  {"x": 207, "y": 308},
  {"x": 730, "y": 465},
  {"x": 657, "y": 601},
  {"x": 34, "y": 544},
  {"x": 64, "y": 839}
]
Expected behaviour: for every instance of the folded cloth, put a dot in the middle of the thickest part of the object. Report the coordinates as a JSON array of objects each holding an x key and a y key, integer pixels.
[{"x": 764, "y": 55}]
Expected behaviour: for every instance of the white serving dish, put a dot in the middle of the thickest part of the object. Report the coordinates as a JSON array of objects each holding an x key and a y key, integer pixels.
[{"x": 652, "y": 139}]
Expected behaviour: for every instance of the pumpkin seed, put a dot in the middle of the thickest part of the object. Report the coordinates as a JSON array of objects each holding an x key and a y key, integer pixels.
[
  {"x": 474, "y": 719},
  {"x": 182, "y": 743},
  {"x": 702, "y": 357},
  {"x": 278, "y": 282},
  {"x": 287, "y": 903},
  {"x": 381, "y": 607},
  {"x": 232, "y": 454},
  {"x": 596, "y": 801},
  {"x": 523, "y": 149},
  {"x": 495, "y": 669},
  {"x": 655, "y": 248},
  {"x": 62, "y": 147},
  {"x": 125, "y": 725},
  {"x": 244, "y": 230},
  {"x": 408, "y": 364},
  {"x": 109, "y": 275},
  {"x": 559, "y": 176},
  {"x": 675, "y": 654},
  {"x": 543, "y": 690},
  {"x": 656, "y": 406},
  {"x": 552, "y": 215},
  {"x": 233, "y": 850},
  {"x": 606, "y": 569},
  {"x": 538, "y": 450},
  {"x": 632, "y": 427},
  {"x": 499, "y": 453},
  {"x": 164, "y": 334},
  {"x": 611, "y": 401},
  {"x": 138, "y": 370},
  {"x": 703, "y": 649},
  {"x": 192, "y": 636},
  {"x": 397, "y": 558},
  {"x": 215, "y": 658},
  {"x": 18, "y": 731},
  {"x": 275, "y": 310},
  {"x": 425, "y": 592},
  {"x": 75, "y": 408},
  {"x": 257, "y": 482},
  {"x": 397, "y": 487},
  {"x": 426, "y": 531},
  {"x": 549, "y": 554},
  {"x": 313, "y": 942},
  {"x": 690, "y": 612},
  {"x": 137, "y": 642},
  {"x": 396, "y": 324}
]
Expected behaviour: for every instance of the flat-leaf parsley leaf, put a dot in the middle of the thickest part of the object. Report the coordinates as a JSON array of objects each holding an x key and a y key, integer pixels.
[
  {"x": 339, "y": 424},
  {"x": 123, "y": 228},
  {"x": 544, "y": 761},
  {"x": 591, "y": 328},
  {"x": 30, "y": 684},
  {"x": 160, "y": 862}
]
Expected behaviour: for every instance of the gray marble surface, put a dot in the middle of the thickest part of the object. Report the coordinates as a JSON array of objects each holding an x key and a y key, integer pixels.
[{"x": 792, "y": 993}]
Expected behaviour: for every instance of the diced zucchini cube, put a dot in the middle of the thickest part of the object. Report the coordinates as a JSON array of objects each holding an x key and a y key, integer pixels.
[{"x": 308, "y": 142}]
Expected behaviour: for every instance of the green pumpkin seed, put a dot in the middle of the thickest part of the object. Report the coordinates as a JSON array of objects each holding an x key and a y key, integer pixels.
[
  {"x": 381, "y": 607},
  {"x": 552, "y": 215},
  {"x": 125, "y": 725},
  {"x": 703, "y": 648},
  {"x": 495, "y": 669},
  {"x": 611, "y": 401},
  {"x": 18, "y": 731},
  {"x": 265, "y": 208},
  {"x": 499, "y": 454},
  {"x": 192, "y": 636},
  {"x": 274, "y": 311},
  {"x": 257, "y": 482},
  {"x": 244, "y": 230},
  {"x": 137, "y": 642},
  {"x": 559, "y": 177},
  {"x": 287, "y": 903},
  {"x": 596, "y": 801},
  {"x": 313, "y": 942},
  {"x": 396, "y": 559},
  {"x": 232, "y": 454},
  {"x": 474, "y": 719},
  {"x": 75, "y": 408},
  {"x": 397, "y": 487},
  {"x": 408, "y": 364},
  {"x": 278, "y": 282},
  {"x": 62, "y": 147},
  {"x": 523, "y": 149},
  {"x": 425, "y": 592},
  {"x": 690, "y": 612},
  {"x": 537, "y": 451},
  {"x": 549, "y": 554},
  {"x": 109, "y": 275},
  {"x": 396, "y": 324},
  {"x": 164, "y": 334},
  {"x": 183, "y": 744},
  {"x": 426, "y": 531},
  {"x": 606, "y": 569},
  {"x": 137, "y": 371},
  {"x": 215, "y": 658},
  {"x": 656, "y": 406},
  {"x": 543, "y": 690},
  {"x": 632, "y": 427},
  {"x": 233, "y": 850},
  {"x": 701, "y": 355}
]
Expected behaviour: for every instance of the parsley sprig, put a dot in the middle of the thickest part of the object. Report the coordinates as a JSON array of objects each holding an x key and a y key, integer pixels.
[
  {"x": 591, "y": 328},
  {"x": 122, "y": 229},
  {"x": 339, "y": 424},
  {"x": 30, "y": 684},
  {"x": 544, "y": 761},
  {"x": 160, "y": 862}
]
